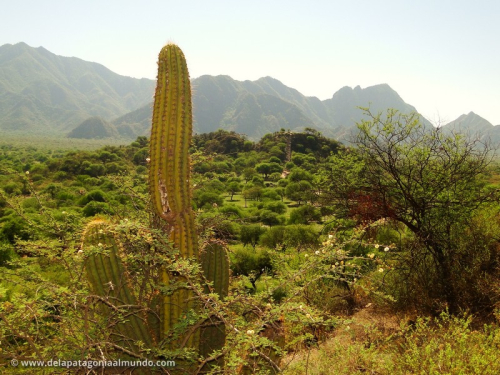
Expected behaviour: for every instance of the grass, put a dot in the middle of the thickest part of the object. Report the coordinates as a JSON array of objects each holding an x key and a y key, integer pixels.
[
  {"x": 239, "y": 200},
  {"x": 58, "y": 143},
  {"x": 443, "y": 345}
]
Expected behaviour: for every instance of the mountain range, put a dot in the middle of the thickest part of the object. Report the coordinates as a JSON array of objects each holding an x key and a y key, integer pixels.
[{"x": 43, "y": 93}]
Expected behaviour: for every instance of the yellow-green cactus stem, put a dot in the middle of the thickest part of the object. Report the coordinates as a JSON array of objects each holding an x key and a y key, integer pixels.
[
  {"x": 109, "y": 279},
  {"x": 169, "y": 171},
  {"x": 215, "y": 266}
]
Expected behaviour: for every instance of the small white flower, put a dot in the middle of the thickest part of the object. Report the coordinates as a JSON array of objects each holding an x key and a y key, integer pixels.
[
  {"x": 371, "y": 255},
  {"x": 355, "y": 280},
  {"x": 386, "y": 249},
  {"x": 306, "y": 255},
  {"x": 27, "y": 172},
  {"x": 250, "y": 332},
  {"x": 80, "y": 251},
  {"x": 316, "y": 252},
  {"x": 377, "y": 246},
  {"x": 330, "y": 236},
  {"x": 148, "y": 160},
  {"x": 380, "y": 270},
  {"x": 301, "y": 307}
]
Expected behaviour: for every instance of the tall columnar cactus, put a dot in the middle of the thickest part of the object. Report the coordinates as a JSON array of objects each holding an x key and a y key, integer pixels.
[
  {"x": 169, "y": 171},
  {"x": 169, "y": 184}
]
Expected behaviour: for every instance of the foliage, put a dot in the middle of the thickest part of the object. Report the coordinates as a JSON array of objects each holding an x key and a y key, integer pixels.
[
  {"x": 444, "y": 345},
  {"x": 292, "y": 288},
  {"x": 304, "y": 215},
  {"x": 431, "y": 183},
  {"x": 250, "y": 234},
  {"x": 252, "y": 263}
]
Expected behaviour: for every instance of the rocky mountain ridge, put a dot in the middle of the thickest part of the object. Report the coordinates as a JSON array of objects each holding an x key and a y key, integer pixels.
[{"x": 41, "y": 92}]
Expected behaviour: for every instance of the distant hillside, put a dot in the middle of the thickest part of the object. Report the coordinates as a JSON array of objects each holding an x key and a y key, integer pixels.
[
  {"x": 475, "y": 126},
  {"x": 264, "y": 106},
  {"x": 470, "y": 122},
  {"x": 135, "y": 123},
  {"x": 43, "y": 92},
  {"x": 94, "y": 128}
]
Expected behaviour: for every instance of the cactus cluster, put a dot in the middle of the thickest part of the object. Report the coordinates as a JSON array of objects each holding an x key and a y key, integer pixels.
[
  {"x": 109, "y": 279},
  {"x": 170, "y": 192}
]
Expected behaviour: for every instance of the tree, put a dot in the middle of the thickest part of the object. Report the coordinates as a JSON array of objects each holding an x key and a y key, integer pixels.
[
  {"x": 301, "y": 237},
  {"x": 299, "y": 191},
  {"x": 232, "y": 188},
  {"x": 430, "y": 182},
  {"x": 250, "y": 234},
  {"x": 268, "y": 168},
  {"x": 251, "y": 263},
  {"x": 304, "y": 215}
]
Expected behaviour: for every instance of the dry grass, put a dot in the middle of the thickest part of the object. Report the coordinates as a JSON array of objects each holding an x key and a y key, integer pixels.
[{"x": 378, "y": 342}]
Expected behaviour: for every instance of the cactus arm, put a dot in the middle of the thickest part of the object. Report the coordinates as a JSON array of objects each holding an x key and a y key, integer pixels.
[
  {"x": 107, "y": 278},
  {"x": 215, "y": 265}
]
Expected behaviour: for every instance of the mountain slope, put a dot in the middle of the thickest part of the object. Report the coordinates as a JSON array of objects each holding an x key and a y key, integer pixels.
[
  {"x": 40, "y": 91},
  {"x": 94, "y": 128},
  {"x": 474, "y": 126},
  {"x": 258, "y": 107},
  {"x": 470, "y": 122}
]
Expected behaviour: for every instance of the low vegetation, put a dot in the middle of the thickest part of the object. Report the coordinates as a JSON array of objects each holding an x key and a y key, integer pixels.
[{"x": 381, "y": 257}]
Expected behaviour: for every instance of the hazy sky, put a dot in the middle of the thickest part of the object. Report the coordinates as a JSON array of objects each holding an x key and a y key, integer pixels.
[{"x": 441, "y": 56}]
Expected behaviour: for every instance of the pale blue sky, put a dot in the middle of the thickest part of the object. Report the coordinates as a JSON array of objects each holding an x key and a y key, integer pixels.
[{"x": 441, "y": 56}]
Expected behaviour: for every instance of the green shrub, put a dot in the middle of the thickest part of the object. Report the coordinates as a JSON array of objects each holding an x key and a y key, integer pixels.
[
  {"x": 250, "y": 234},
  {"x": 448, "y": 345},
  {"x": 232, "y": 210},
  {"x": 12, "y": 188},
  {"x": 304, "y": 215},
  {"x": 31, "y": 204},
  {"x": 278, "y": 207},
  {"x": 252, "y": 263},
  {"x": 207, "y": 199},
  {"x": 301, "y": 237},
  {"x": 14, "y": 227},
  {"x": 93, "y": 208},
  {"x": 92, "y": 196},
  {"x": 7, "y": 253},
  {"x": 271, "y": 218},
  {"x": 274, "y": 238}
]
